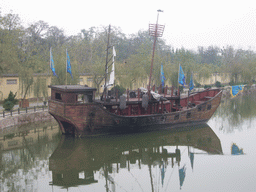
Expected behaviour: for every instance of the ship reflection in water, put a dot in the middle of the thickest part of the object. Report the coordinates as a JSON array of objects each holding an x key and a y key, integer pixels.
[{"x": 75, "y": 162}]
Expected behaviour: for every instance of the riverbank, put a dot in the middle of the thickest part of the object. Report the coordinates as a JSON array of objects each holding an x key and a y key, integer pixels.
[{"x": 23, "y": 119}]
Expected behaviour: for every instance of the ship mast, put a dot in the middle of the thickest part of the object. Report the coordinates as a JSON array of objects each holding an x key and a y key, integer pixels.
[
  {"x": 106, "y": 66},
  {"x": 155, "y": 30}
]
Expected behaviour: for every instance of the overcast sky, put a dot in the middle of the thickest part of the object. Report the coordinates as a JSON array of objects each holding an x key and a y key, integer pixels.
[{"x": 188, "y": 23}]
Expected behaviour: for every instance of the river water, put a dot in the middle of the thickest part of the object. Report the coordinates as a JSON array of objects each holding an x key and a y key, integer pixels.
[{"x": 38, "y": 158}]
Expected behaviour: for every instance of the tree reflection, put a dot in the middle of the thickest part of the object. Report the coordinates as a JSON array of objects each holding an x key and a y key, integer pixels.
[
  {"x": 233, "y": 112},
  {"x": 24, "y": 154}
]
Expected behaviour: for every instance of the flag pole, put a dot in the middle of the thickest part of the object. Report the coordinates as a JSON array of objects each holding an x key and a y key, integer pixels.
[
  {"x": 191, "y": 85},
  {"x": 50, "y": 59},
  {"x": 66, "y": 66},
  {"x": 188, "y": 98},
  {"x": 114, "y": 54},
  {"x": 178, "y": 89}
]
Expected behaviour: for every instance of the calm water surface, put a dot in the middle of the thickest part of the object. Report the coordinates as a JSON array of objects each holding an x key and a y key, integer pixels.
[{"x": 39, "y": 158}]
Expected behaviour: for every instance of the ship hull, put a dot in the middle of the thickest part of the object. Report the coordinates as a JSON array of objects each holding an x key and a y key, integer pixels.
[{"x": 93, "y": 119}]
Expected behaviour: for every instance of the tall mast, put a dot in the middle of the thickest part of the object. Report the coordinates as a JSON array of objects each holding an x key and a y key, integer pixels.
[
  {"x": 50, "y": 60},
  {"x": 178, "y": 77},
  {"x": 106, "y": 67},
  {"x": 155, "y": 30},
  {"x": 66, "y": 66}
]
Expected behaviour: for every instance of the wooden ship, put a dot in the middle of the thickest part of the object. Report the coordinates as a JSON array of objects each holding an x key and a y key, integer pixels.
[
  {"x": 79, "y": 113},
  {"x": 75, "y": 109}
]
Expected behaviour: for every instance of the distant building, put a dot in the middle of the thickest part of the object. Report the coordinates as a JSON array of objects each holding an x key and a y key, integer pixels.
[{"x": 11, "y": 82}]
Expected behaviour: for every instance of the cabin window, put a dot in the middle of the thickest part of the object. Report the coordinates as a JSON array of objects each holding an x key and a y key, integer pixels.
[
  {"x": 189, "y": 114},
  {"x": 80, "y": 97},
  {"x": 85, "y": 98},
  {"x": 209, "y": 107},
  {"x": 176, "y": 117},
  {"x": 58, "y": 96}
]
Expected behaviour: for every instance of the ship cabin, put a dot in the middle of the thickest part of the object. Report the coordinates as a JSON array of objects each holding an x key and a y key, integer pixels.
[{"x": 72, "y": 94}]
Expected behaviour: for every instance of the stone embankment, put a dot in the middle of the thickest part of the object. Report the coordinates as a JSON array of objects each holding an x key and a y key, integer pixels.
[{"x": 23, "y": 119}]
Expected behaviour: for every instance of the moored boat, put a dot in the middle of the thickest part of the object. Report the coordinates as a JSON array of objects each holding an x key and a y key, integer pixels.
[{"x": 78, "y": 112}]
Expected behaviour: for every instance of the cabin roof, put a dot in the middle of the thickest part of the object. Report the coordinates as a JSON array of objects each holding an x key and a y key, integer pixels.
[{"x": 72, "y": 88}]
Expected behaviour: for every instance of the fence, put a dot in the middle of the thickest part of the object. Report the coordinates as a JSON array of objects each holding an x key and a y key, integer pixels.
[{"x": 23, "y": 110}]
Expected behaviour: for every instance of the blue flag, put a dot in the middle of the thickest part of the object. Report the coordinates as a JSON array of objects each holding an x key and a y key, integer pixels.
[
  {"x": 162, "y": 76},
  {"x": 52, "y": 63},
  {"x": 69, "y": 65},
  {"x": 181, "y": 77},
  {"x": 182, "y": 175},
  {"x": 236, "y": 89},
  {"x": 191, "y": 83},
  {"x": 235, "y": 150},
  {"x": 191, "y": 156}
]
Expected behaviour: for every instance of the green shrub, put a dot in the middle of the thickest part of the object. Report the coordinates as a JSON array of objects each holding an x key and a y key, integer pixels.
[
  {"x": 218, "y": 84},
  {"x": 8, "y": 105},
  {"x": 10, "y": 101},
  {"x": 198, "y": 85},
  {"x": 120, "y": 90},
  {"x": 207, "y": 86}
]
